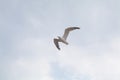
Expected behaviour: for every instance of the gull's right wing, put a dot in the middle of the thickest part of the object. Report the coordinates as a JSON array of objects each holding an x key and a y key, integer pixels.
[{"x": 67, "y": 30}]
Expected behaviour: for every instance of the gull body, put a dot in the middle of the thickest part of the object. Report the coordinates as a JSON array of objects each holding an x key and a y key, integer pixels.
[
  {"x": 64, "y": 37},
  {"x": 62, "y": 40}
]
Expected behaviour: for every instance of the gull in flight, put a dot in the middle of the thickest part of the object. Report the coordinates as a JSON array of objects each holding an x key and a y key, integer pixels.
[{"x": 64, "y": 37}]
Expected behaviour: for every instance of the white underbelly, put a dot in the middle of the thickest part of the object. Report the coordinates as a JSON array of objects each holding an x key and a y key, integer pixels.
[{"x": 64, "y": 41}]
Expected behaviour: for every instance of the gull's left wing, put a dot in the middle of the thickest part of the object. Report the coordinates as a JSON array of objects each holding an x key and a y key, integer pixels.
[{"x": 56, "y": 43}]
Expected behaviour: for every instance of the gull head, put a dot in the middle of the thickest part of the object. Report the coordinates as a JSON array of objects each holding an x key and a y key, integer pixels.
[{"x": 59, "y": 37}]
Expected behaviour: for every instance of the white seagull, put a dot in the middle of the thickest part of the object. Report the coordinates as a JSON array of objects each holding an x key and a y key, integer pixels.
[{"x": 64, "y": 37}]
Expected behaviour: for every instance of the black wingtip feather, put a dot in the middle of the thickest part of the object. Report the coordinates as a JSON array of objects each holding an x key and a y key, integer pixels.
[{"x": 76, "y": 27}]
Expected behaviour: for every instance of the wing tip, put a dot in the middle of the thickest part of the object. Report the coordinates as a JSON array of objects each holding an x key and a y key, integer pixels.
[
  {"x": 73, "y": 27},
  {"x": 59, "y": 49},
  {"x": 56, "y": 43},
  {"x": 76, "y": 27}
]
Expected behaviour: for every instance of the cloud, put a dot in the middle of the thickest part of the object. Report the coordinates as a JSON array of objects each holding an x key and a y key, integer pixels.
[
  {"x": 94, "y": 61},
  {"x": 38, "y": 69},
  {"x": 31, "y": 60}
]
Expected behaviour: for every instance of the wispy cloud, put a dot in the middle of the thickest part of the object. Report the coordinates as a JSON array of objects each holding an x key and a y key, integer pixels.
[{"x": 97, "y": 62}]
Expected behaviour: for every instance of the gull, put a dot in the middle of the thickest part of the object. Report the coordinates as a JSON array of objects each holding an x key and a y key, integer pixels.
[{"x": 64, "y": 37}]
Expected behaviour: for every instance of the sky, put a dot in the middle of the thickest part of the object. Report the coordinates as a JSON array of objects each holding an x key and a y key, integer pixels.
[{"x": 27, "y": 29}]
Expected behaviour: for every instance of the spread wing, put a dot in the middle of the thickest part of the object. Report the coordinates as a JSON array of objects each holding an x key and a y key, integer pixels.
[
  {"x": 56, "y": 43},
  {"x": 67, "y": 30}
]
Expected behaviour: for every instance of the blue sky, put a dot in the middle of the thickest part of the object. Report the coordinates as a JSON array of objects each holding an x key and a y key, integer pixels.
[{"x": 27, "y": 29}]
